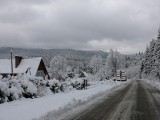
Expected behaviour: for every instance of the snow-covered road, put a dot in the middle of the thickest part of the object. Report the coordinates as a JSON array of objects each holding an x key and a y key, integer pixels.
[
  {"x": 137, "y": 101},
  {"x": 28, "y": 109}
]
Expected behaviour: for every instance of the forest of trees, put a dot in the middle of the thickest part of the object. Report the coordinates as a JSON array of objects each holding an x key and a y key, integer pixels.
[
  {"x": 100, "y": 68},
  {"x": 150, "y": 66}
]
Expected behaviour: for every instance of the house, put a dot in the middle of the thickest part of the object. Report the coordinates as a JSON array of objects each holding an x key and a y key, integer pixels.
[{"x": 31, "y": 66}]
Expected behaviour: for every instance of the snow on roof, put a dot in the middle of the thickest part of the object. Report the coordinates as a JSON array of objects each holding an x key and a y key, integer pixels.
[{"x": 30, "y": 64}]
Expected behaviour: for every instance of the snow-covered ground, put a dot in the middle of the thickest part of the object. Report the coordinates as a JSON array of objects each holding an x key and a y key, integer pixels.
[
  {"x": 28, "y": 109},
  {"x": 155, "y": 83}
]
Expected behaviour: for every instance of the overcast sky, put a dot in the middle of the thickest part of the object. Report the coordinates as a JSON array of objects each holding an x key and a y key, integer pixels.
[{"x": 125, "y": 25}]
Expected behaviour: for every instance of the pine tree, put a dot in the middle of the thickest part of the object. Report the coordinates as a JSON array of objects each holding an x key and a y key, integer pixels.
[
  {"x": 146, "y": 61},
  {"x": 152, "y": 57},
  {"x": 151, "y": 62},
  {"x": 157, "y": 53}
]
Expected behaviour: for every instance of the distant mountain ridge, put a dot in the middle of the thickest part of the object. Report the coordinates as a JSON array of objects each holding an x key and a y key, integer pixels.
[
  {"x": 48, "y": 54},
  {"x": 5, "y": 52}
]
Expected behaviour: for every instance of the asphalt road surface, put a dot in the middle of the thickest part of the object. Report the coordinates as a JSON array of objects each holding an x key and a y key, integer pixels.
[{"x": 136, "y": 101}]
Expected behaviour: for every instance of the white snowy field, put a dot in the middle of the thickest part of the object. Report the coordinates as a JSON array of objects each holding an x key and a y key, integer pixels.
[{"x": 28, "y": 109}]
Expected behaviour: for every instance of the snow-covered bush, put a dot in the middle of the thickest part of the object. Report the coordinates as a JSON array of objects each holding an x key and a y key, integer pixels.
[
  {"x": 11, "y": 89},
  {"x": 66, "y": 86},
  {"x": 54, "y": 85},
  {"x": 15, "y": 87},
  {"x": 3, "y": 90},
  {"x": 14, "y": 93},
  {"x": 23, "y": 86},
  {"x": 78, "y": 83},
  {"x": 30, "y": 90},
  {"x": 40, "y": 84}
]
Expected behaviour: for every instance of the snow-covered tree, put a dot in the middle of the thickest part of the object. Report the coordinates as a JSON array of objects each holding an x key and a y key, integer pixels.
[
  {"x": 96, "y": 63},
  {"x": 59, "y": 67},
  {"x": 133, "y": 72},
  {"x": 114, "y": 61},
  {"x": 146, "y": 61},
  {"x": 151, "y": 61}
]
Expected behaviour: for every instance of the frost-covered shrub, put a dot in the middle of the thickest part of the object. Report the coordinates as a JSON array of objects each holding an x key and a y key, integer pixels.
[
  {"x": 3, "y": 90},
  {"x": 71, "y": 75},
  {"x": 10, "y": 89},
  {"x": 76, "y": 84},
  {"x": 15, "y": 90},
  {"x": 16, "y": 87},
  {"x": 38, "y": 81},
  {"x": 30, "y": 90},
  {"x": 14, "y": 93},
  {"x": 66, "y": 87},
  {"x": 54, "y": 85},
  {"x": 42, "y": 91},
  {"x": 79, "y": 83},
  {"x": 40, "y": 84}
]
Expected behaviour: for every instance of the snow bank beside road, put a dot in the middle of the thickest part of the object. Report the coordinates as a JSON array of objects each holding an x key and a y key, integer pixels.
[
  {"x": 29, "y": 109},
  {"x": 154, "y": 83}
]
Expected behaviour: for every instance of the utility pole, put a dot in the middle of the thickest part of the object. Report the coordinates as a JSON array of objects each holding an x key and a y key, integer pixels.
[{"x": 11, "y": 62}]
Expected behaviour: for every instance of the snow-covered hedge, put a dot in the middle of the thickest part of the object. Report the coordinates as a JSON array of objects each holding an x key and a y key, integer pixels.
[
  {"x": 13, "y": 88},
  {"x": 22, "y": 86}
]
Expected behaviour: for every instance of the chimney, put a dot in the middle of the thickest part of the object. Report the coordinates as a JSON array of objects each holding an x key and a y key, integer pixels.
[{"x": 17, "y": 60}]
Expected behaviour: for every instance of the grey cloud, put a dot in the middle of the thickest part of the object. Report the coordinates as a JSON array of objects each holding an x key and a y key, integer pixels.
[
  {"x": 20, "y": 2},
  {"x": 74, "y": 23}
]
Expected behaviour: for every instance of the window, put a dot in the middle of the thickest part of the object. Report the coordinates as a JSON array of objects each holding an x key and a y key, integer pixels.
[{"x": 40, "y": 73}]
